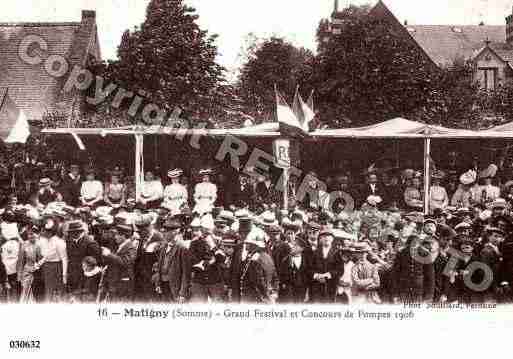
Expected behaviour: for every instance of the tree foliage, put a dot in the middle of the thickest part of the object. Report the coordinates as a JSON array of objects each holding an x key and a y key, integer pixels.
[
  {"x": 171, "y": 62},
  {"x": 272, "y": 62}
]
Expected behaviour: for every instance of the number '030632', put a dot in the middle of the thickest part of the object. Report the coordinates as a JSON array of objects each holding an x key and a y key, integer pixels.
[{"x": 24, "y": 344}]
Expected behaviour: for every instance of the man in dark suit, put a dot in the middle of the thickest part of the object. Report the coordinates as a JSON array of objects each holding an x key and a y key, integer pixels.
[
  {"x": 173, "y": 268},
  {"x": 327, "y": 268},
  {"x": 78, "y": 246},
  {"x": 71, "y": 185},
  {"x": 117, "y": 284},
  {"x": 258, "y": 272},
  {"x": 294, "y": 275},
  {"x": 372, "y": 188},
  {"x": 243, "y": 192},
  {"x": 266, "y": 192}
]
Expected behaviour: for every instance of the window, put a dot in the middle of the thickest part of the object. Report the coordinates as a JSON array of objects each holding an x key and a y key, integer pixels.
[{"x": 488, "y": 77}]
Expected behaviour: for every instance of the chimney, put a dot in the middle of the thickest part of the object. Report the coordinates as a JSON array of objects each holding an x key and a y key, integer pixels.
[{"x": 88, "y": 16}]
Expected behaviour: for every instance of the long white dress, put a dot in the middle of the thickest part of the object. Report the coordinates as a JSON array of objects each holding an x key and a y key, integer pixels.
[
  {"x": 175, "y": 196},
  {"x": 205, "y": 195}
]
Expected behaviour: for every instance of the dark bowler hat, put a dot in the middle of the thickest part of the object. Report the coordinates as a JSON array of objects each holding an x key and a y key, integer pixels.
[
  {"x": 172, "y": 223},
  {"x": 75, "y": 226}
]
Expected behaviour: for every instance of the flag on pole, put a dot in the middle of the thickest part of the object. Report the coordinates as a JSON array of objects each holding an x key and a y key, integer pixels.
[
  {"x": 308, "y": 113},
  {"x": 14, "y": 127},
  {"x": 288, "y": 120}
]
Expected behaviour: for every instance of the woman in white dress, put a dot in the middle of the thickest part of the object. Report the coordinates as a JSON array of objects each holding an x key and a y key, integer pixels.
[
  {"x": 175, "y": 194},
  {"x": 205, "y": 194},
  {"x": 438, "y": 197}
]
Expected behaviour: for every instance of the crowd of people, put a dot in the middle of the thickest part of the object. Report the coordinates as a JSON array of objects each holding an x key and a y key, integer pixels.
[{"x": 75, "y": 238}]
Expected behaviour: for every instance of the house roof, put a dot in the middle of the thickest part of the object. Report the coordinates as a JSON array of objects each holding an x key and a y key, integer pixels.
[
  {"x": 446, "y": 43},
  {"x": 30, "y": 86}
]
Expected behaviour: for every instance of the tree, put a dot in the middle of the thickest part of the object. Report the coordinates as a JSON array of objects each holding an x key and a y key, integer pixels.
[
  {"x": 369, "y": 71},
  {"x": 272, "y": 62},
  {"x": 170, "y": 61}
]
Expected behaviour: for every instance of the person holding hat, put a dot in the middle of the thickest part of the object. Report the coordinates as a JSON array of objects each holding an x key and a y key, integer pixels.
[
  {"x": 327, "y": 268},
  {"x": 91, "y": 192},
  {"x": 79, "y": 245},
  {"x": 438, "y": 198},
  {"x": 258, "y": 272},
  {"x": 115, "y": 191},
  {"x": 173, "y": 268},
  {"x": 175, "y": 194},
  {"x": 46, "y": 194},
  {"x": 117, "y": 284},
  {"x": 150, "y": 243},
  {"x": 152, "y": 191},
  {"x": 205, "y": 193}
]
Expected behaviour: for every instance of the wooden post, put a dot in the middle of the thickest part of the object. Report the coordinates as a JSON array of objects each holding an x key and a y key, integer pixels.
[
  {"x": 286, "y": 189},
  {"x": 427, "y": 173}
]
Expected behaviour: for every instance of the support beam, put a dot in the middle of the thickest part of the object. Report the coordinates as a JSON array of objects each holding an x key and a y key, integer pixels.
[{"x": 427, "y": 173}]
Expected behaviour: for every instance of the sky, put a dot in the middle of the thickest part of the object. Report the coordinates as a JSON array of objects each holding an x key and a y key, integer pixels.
[{"x": 232, "y": 20}]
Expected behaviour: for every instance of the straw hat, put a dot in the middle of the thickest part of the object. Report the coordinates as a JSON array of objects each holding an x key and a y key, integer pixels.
[
  {"x": 468, "y": 177},
  {"x": 177, "y": 172},
  {"x": 489, "y": 172}
]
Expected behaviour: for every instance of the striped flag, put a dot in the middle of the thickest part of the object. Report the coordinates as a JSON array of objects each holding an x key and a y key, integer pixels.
[
  {"x": 14, "y": 127},
  {"x": 289, "y": 123}
]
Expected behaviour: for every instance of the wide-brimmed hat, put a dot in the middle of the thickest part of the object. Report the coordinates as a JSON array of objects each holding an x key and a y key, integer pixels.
[
  {"x": 498, "y": 203},
  {"x": 287, "y": 224},
  {"x": 438, "y": 175},
  {"x": 463, "y": 226},
  {"x": 489, "y": 172},
  {"x": 342, "y": 235},
  {"x": 228, "y": 216},
  {"x": 361, "y": 247},
  {"x": 245, "y": 225},
  {"x": 374, "y": 200},
  {"x": 75, "y": 226},
  {"x": 177, "y": 172},
  {"x": 171, "y": 223},
  {"x": 268, "y": 219},
  {"x": 468, "y": 177},
  {"x": 255, "y": 238},
  {"x": 493, "y": 229},
  {"x": 143, "y": 220},
  {"x": 205, "y": 171},
  {"x": 45, "y": 182}
]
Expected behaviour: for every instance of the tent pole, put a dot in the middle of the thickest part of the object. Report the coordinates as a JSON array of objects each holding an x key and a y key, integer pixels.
[
  {"x": 427, "y": 173},
  {"x": 286, "y": 189},
  {"x": 139, "y": 148}
]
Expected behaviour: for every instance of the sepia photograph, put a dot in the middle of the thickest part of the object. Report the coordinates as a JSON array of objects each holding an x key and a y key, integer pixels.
[{"x": 192, "y": 160}]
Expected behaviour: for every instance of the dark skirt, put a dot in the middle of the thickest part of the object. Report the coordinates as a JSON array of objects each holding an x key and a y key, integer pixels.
[{"x": 52, "y": 277}]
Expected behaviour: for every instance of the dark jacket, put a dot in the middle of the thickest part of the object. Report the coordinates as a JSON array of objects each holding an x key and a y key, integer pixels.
[
  {"x": 414, "y": 281},
  {"x": 174, "y": 268},
  {"x": 325, "y": 292},
  {"x": 366, "y": 191},
  {"x": 256, "y": 278},
  {"x": 294, "y": 282},
  {"x": 119, "y": 276},
  {"x": 77, "y": 251},
  {"x": 147, "y": 255},
  {"x": 200, "y": 252}
]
